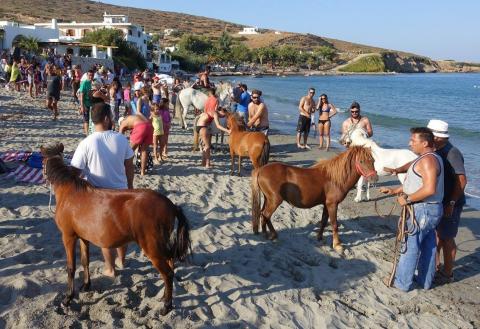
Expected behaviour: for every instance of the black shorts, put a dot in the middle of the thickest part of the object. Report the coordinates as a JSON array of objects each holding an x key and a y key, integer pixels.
[
  {"x": 55, "y": 96},
  {"x": 86, "y": 114},
  {"x": 304, "y": 124}
]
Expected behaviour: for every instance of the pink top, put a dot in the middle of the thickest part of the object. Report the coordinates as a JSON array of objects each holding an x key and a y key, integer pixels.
[
  {"x": 165, "y": 114},
  {"x": 126, "y": 95}
]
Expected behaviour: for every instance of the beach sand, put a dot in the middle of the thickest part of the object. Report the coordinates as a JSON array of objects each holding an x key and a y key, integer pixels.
[{"x": 235, "y": 279}]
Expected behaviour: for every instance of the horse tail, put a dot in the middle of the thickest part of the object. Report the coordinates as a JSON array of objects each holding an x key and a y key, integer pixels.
[
  {"x": 182, "y": 245},
  {"x": 179, "y": 110},
  {"x": 265, "y": 155},
  {"x": 256, "y": 200}
]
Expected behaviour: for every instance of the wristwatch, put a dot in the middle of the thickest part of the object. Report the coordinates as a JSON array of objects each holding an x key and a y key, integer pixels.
[{"x": 452, "y": 203}]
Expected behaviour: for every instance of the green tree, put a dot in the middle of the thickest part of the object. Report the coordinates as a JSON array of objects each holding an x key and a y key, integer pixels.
[
  {"x": 29, "y": 44},
  {"x": 288, "y": 55},
  {"x": 225, "y": 42},
  {"x": 190, "y": 43},
  {"x": 125, "y": 53},
  {"x": 104, "y": 37},
  {"x": 326, "y": 53},
  {"x": 241, "y": 54}
]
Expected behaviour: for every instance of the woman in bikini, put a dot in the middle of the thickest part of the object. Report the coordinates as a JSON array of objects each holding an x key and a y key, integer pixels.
[
  {"x": 210, "y": 114},
  {"x": 326, "y": 111}
]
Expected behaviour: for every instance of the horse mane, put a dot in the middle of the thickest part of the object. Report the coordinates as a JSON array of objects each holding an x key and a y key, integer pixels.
[
  {"x": 238, "y": 121},
  {"x": 59, "y": 173},
  {"x": 337, "y": 167}
]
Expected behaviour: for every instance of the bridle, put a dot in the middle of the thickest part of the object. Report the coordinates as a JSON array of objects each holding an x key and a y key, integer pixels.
[
  {"x": 44, "y": 172},
  {"x": 362, "y": 172}
]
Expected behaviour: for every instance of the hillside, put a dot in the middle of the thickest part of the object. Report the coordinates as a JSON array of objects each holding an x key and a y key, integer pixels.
[{"x": 157, "y": 21}]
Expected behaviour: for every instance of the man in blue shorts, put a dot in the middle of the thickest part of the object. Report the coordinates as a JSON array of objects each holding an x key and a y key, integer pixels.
[
  {"x": 453, "y": 201},
  {"x": 84, "y": 96}
]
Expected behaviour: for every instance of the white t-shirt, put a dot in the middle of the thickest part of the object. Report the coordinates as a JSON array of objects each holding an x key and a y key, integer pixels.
[{"x": 101, "y": 156}]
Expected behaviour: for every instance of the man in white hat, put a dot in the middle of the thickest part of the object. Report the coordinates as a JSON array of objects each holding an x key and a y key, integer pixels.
[{"x": 453, "y": 201}]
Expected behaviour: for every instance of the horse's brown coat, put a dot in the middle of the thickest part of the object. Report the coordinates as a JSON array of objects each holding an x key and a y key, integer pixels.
[
  {"x": 243, "y": 143},
  {"x": 112, "y": 218},
  {"x": 327, "y": 183}
]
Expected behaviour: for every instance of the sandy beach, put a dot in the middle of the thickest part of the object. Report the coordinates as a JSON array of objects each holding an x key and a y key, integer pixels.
[{"x": 235, "y": 279}]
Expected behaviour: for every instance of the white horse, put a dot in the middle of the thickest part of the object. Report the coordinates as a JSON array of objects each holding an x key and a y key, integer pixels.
[
  {"x": 190, "y": 97},
  {"x": 390, "y": 158}
]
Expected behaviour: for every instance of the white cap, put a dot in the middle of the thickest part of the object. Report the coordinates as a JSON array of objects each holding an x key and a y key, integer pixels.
[{"x": 439, "y": 128}]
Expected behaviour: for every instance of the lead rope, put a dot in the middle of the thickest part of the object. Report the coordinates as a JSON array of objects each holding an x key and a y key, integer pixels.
[
  {"x": 402, "y": 235},
  {"x": 50, "y": 200}
]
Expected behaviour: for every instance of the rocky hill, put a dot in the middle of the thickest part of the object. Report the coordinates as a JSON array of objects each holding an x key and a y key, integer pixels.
[{"x": 36, "y": 11}]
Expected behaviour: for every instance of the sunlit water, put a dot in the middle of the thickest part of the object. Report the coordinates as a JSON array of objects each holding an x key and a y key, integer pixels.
[{"x": 394, "y": 103}]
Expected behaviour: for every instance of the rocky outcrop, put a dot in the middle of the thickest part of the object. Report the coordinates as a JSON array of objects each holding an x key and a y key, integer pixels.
[{"x": 408, "y": 64}]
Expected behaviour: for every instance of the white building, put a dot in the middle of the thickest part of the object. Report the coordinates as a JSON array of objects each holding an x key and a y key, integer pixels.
[
  {"x": 249, "y": 30},
  {"x": 134, "y": 34},
  {"x": 10, "y": 32}
]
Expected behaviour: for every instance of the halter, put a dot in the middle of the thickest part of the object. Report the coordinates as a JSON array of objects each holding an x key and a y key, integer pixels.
[
  {"x": 44, "y": 172},
  {"x": 362, "y": 172}
]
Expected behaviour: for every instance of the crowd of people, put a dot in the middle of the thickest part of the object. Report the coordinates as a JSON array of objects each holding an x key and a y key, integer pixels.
[{"x": 108, "y": 103}]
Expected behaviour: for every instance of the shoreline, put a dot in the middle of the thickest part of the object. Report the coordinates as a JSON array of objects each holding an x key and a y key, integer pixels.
[
  {"x": 234, "y": 277},
  {"x": 321, "y": 73}
]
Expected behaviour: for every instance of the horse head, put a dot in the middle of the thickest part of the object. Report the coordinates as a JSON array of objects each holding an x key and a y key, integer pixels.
[
  {"x": 224, "y": 90},
  {"x": 235, "y": 122},
  {"x": 365, "y": 163},
  {"x": 357, "y": 137},
  {"x": 50, "y": 152}
]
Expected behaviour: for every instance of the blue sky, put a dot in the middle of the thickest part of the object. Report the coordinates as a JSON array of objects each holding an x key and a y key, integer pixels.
[{"x": 439, "y": 29}]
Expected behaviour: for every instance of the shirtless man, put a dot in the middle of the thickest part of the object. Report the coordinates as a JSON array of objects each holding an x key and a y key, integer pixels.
[
  {"x": 306, "y": 108},
  {"x": 355, "y": 121},
  {"x": 258, "y": 113},
  {"x": 140, "y": 137}
]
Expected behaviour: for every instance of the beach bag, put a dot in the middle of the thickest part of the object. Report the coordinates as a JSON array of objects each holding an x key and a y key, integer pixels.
[
  {"x": 35, "y": 160},
  {"x": 149, "y": 161}
]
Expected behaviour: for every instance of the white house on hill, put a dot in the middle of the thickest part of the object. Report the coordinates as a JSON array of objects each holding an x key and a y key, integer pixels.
[
  {"x": 249, "y": 30},
  {"x": 134, "y": 34},
  {"x": 10, "y": 32}
]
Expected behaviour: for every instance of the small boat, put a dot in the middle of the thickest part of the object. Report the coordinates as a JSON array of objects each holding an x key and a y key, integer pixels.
[{"x": 256, "y": 75}]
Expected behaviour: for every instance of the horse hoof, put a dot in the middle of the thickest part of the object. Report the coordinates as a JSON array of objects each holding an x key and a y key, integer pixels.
[
  {"x": 338, "y": 248},
  {"x": 66, "y": 302},
  {"x": 167, "y": 307},
  {"x": 357, "y": 200}
]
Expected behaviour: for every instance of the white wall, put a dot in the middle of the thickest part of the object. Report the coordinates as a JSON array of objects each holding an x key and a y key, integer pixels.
[{"x": 12, "y": 30}]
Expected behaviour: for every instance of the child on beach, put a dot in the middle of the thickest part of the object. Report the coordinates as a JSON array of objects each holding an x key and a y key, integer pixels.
[
  {"x": 166, "y": 119},
  {"x": 157, "y": 123},
  {"x": 127, "y": 95}
]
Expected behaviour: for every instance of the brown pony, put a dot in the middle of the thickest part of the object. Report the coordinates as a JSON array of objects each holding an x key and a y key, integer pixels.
[
  {"x": 327, "y": 182},
  {"x": 243, "y": 143},
  {"x": 112, "y": 218}
]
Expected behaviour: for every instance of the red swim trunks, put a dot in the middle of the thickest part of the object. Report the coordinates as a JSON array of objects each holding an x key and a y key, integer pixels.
[{"x": 142, "y": 134}]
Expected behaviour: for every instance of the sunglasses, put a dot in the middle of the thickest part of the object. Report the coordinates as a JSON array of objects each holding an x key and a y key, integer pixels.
[
  {"x": 254, "y": 97},
  {"x": 354, "y": 112}
]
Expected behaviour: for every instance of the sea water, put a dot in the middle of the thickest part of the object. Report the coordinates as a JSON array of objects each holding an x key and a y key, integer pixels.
[{"x": 393, "y": 103}]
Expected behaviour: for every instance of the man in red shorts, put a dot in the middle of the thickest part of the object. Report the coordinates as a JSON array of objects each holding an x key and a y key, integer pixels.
[{"x": 140, "y": 137}]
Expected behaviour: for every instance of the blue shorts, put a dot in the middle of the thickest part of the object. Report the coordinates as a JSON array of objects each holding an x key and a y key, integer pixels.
[
  {"x": 448, "y": 226},
  {"x": 156, "y": 99}
]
